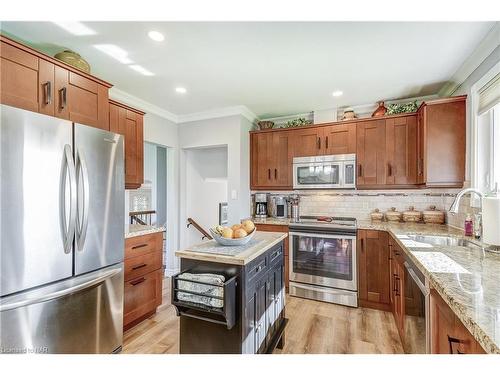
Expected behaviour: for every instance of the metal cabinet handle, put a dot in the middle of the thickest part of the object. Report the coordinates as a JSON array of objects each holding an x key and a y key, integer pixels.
[
  {"x": 275, "y": 174},
  {"x": 326, "y": 142},
  {"x": 451, "y": 341},
  {"x": 139, "y": 266},
  {"x": 269, "y": 174},
  {"x": 362, "y": 244},
  {"x": 137, "y": 282},
  {"x": 48, "y": 92},
  {"x": 397, "y": 286},
  {"x": 62, "y": 95},
  {"x": 139, "y": 246},
  {"x": 319, "y": 143},
  {"x": 258, "y": 269},
  {"x": 389, "y": 169},
  {"x": 276, "y": 254},
  {"x": 360, "y": 171}
]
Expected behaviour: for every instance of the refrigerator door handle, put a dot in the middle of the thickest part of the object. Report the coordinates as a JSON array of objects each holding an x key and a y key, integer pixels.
[
  {"x": 67, "y": 227},
  {"x": 86, "y": 282},
  {"x": 81, "y": 230}
]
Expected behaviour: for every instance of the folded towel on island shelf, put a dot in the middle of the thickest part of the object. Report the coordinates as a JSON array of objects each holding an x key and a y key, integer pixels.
[{"x": 188, "y": 283}]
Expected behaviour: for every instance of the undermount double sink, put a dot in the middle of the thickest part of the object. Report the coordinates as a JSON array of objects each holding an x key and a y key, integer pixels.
[{"x": 444, "y": 241}]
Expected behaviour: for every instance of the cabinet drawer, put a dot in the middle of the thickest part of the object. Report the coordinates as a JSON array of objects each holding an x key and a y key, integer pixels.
[
  {"x": 276, "y": 255},
  {"x": 142, "y": 296},
  {"x": 256, "y": 269},
  {"x": 141, "y": 245},
  {"x": 142, "y": 264}
]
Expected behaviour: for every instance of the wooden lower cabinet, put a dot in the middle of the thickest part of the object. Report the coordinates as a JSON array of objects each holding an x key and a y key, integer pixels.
[
  {"x": 373, "y": 269},
  {"x": 128, "y": 122},
  {"x": 448, "y": 334},
  {"x": 281, "y": 229},
  {"x": 143, "y": 277}
]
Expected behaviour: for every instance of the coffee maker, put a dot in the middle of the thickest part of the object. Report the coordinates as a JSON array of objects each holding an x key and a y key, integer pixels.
[{"x": 260, "y": 205}]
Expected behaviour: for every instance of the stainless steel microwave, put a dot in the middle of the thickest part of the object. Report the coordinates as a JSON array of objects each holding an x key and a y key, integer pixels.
[{"x": 325, "y": 172}]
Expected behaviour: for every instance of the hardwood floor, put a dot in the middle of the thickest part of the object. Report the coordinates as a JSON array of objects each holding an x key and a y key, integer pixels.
[{"x": 314, "y": 327}]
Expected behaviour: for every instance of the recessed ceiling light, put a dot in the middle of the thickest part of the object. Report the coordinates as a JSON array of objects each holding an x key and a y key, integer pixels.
[
  {"x": 180, "y": 90},
  {"x": 337, "y": 93},
  {"x": 115, "y": 52},
  {"x": 156, "y": 36},
  {"x": 75, "y": 28},
  {"x": 141, "y": 70}
]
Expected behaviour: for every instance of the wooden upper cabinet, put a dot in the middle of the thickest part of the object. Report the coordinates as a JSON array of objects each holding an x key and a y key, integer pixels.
[
  {"x": 271, "y": 166},
  {"x": 39, "y": 83},
  {"x": 442, "y": 134},
  {"x": 401, "y": 150},
  {"x": 339, "y": 139},
  {"x": 373, "y": 269},
  {"x": 307, "y": 142},
  {"x": 19, "y": 77},
  {"x": 371, "y": 153},
  {"x": 129, "y": 123}
]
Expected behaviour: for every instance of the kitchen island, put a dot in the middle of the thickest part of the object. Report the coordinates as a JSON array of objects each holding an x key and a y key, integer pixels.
[{"x": 245, "y": 312}]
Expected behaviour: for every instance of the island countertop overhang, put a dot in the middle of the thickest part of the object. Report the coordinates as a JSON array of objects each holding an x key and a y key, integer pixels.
[{"x": 265, "y": 241}]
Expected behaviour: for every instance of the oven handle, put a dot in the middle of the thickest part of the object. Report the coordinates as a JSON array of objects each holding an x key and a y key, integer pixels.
[
  {"x": 338, "y": 236},
  {"x": 415, "y": 278}
]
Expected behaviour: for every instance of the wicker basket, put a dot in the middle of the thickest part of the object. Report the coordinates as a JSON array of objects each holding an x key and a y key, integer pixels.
[{"x": 265, "y": 125}]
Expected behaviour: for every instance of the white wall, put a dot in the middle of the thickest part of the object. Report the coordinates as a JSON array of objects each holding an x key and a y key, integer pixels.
[
  {"x": 206, "y": 187},
  {"x": 231, "y": 131}
]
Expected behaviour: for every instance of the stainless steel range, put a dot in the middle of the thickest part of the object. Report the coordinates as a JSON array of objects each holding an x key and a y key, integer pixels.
[{"x": 323, "y": 259}]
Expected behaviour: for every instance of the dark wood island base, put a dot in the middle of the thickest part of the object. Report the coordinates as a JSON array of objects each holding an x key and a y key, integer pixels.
[{"x": 253, "y": 317}]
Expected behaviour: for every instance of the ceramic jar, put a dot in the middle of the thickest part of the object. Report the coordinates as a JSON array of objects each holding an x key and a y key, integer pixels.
[
  {"x": 433, "y": 216},
  {"x": 380, "y": 111},
  {"x": 376, "y": 215},
  {"x": 393, "y": 215},
  {"x": 412, "y": 215},
  {"x": 348, "y": 114}
]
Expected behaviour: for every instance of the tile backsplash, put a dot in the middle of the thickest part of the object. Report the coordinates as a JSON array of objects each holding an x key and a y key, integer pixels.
[{"x": 361, "y": 203}]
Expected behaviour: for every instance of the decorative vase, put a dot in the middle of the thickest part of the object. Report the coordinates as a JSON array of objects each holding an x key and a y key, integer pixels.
[
  {"x": 348, "y": 114},
  {"x": 74, "y": 59},
  {"x": 380, "y": 111}
]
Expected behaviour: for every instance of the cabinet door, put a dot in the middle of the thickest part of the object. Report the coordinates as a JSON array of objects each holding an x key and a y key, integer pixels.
[
  {"x": 420, "y": 146},
  {"x": 307, "y": 142},
  {"x": 261, "y": 159},
  {"x": 340, "y": 139},
  {"x": 280, "y": 154},
  {"x": 131, "y": 150},
  {"x": 19, "y": 78},
  {"x": 373, "y": 266},
  {"x": 371, "y": 153},
  {"x": 401, "y": 148},
  {"x": 261, "y": 296},
  {"x": 251, "y": 322},
  {"x": 442, "y": 325}
]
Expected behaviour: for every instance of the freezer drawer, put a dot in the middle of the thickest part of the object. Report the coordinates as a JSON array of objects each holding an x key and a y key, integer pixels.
[{"x": 78, "y": 315}]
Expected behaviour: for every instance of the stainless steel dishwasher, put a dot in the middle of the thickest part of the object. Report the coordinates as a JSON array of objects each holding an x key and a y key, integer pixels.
[{"x": 417, "y": 313}]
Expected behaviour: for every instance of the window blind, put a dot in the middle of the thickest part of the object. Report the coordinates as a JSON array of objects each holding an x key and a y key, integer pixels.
[{"x": 489, "y": 95}]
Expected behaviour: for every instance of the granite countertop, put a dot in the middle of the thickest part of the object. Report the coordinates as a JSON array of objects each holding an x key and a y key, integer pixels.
[
  {"x": 211, "y": 251},
  {"x": 468, "y": 279},
  {"x": 271, "y": 220},
  {"x": 135, "y": 230}
]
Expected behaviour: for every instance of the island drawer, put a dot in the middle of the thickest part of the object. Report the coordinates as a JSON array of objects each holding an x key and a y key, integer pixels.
[
  {"x": 276, "y": 255},
  {"x": 142, "y": 264},
  {"x": 218, "y": 308},
  {"x": 140, "y": 245},
  {"x": 256, "y": 269}
]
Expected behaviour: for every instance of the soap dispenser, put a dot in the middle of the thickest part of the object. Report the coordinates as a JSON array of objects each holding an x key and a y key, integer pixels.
[{"x": 491, "y": 217}]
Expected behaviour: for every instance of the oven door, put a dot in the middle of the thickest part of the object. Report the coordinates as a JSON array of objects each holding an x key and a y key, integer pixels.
[
  {"x": 317, "y": 175},
  {"x": 323, "y": 259}
]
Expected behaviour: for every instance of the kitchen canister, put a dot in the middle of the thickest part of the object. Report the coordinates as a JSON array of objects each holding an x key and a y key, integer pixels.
[
  {"x": 433, "y": 216},
  {"x": 376, "y": 215},
  {"x": 412, "y": 215},
  {"x": 393, "y": 215},
  {"x": 491, "y": 217}
]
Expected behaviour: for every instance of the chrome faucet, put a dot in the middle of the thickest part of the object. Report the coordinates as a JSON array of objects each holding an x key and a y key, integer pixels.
[
  {"x": 454, "y": 206},
  {"x": 478, "y": 225}
]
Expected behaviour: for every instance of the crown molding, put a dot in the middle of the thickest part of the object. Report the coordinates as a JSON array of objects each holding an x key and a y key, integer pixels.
[
  {"x": 482, "y": 51},
  {"x": 134, "y": 101},
  {"x": 219, "y": 112}
]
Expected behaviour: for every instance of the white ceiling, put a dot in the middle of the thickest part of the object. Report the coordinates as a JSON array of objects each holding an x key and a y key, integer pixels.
[{"x": 276, "y": 68}]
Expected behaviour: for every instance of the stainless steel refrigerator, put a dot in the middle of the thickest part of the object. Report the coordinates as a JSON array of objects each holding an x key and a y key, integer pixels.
[{"x": 61, "y": 235}]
